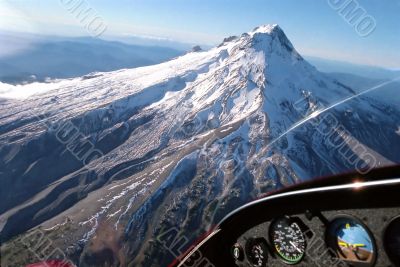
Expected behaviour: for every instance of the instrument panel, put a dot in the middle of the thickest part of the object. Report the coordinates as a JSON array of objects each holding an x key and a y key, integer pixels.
[
  {"x": 359, "y": 238},
  {"x": 350, "y": 220}
]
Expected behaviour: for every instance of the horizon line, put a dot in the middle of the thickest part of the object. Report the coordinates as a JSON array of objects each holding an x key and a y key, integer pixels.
[{"x": 164, "y": 40}]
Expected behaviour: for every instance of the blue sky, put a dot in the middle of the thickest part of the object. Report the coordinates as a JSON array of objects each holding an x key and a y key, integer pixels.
[{"x": 312, "y": 25}]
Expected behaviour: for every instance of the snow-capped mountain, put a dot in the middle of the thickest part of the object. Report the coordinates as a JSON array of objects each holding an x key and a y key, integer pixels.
[{"x": 105, "y": 163}]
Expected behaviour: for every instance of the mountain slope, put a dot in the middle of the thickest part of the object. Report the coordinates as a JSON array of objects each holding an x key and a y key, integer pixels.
[{"x": 178, "y": 146}]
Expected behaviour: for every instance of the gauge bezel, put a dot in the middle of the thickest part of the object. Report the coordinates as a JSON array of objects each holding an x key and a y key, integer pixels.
[
  {"x": 334, "y": 246},
  {"x": 272, "y": 242},
  {"x": 385, "y": 248}
]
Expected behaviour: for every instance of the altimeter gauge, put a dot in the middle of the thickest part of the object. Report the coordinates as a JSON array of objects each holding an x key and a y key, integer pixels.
[{"x": 288, "y": 240}]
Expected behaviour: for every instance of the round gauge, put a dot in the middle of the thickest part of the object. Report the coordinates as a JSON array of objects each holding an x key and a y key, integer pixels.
[
  {"x": 288, "y": 240},
  {"x": 257, "y": 252},
  {"x": 391, "y": 241},
  {"x": 351, "y": 241}
]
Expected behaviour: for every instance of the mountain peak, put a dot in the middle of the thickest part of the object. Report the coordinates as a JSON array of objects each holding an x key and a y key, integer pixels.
[
  {"x": 272, "y": 33},
  {"x": 267, "y": 28},
  {"x": 262, "y": 34}
]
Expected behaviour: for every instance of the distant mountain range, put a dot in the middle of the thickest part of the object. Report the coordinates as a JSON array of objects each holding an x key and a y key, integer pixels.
[
  {"x": 44, "y": 58},
  {"x": 40, "y": 58},
  {"x": 370, "y": 72}
]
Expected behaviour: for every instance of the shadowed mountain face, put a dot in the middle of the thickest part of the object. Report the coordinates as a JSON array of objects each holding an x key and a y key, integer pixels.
[{"x": 133, "y": 158}]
